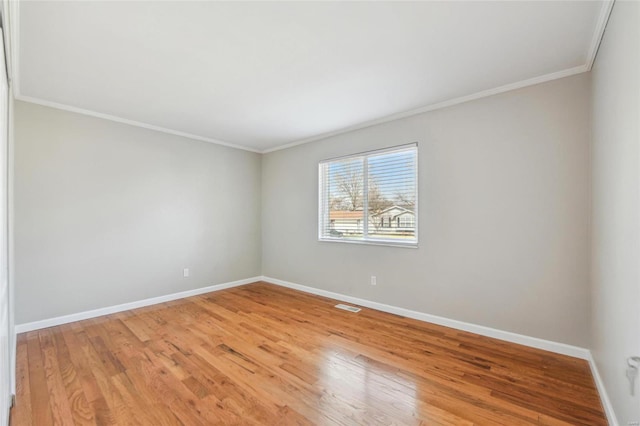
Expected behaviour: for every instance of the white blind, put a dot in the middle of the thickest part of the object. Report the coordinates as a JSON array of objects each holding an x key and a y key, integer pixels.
[{"x": 370, "y": 197}]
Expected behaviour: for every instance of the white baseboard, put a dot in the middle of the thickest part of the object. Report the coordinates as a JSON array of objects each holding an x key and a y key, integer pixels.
[
  {"x": 547, "y": 345},
  {"x": 37, "y": 325},
  {"x": 508, "y": 336},
  {"x": 604, "y": 397}
]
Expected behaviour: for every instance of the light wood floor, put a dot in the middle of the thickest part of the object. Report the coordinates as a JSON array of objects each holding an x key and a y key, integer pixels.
[{"x": 266, "y": 355}]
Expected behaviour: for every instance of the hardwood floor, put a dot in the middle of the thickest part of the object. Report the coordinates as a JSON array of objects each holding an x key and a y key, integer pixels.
[{"x": 265, "y": 355}]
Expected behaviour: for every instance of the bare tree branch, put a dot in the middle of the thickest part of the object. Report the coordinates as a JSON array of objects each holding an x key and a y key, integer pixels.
[
  {"x": 405, "y": 200},
  {"x": 350, "y": 183},
  {"x": 377, "y": 203}
]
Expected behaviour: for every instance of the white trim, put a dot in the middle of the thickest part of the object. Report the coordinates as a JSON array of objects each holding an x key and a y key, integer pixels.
[
  {"x": 598, "y": 34},
  {"x": 36, "y": 325},
  {"x": 324, "y": 216},
  {"x": 371, "y": 242},
  {"x": 604, "y": 397},
  {"x": 14, "y": 42},
  {"x": 130, "y": 122},
  {"x": 13, "y": 21},
  {"x": 11, "y": 242},
  {"x": 388, "y": 150},
  {"x": 451, "y": 102},
  {"x": 14, "y": 12},
  {"x": 534, "y": 342},
  {"x": 432, "y": 107}
]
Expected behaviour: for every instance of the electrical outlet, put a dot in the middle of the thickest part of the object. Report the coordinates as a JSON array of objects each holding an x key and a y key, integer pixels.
[
  {"x": 185, "y": 272},
  {"x": 374, "y": 281}
]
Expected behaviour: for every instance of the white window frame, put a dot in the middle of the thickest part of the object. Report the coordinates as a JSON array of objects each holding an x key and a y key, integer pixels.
[{"x": 323, "y": 202}]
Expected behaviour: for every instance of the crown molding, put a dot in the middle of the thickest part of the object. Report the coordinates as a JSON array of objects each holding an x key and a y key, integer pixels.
[
  {"x": 14, "y": 49},
  {"x": 13, "y": 7},
  {"x": 451, "y": 102},
  {"x": 11, "y": 10},
  {"x": 131, "y": 122},
  {"x": 598, "y": 34}
]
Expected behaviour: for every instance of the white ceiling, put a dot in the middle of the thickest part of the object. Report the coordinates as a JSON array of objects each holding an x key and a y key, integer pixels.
[{"x": 266, "y": 74}]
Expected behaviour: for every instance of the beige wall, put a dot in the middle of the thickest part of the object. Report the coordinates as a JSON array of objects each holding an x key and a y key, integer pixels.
[
  {"x": 107, "y": 213},
  {"x": 503, "y": 205},
  {"x": 616, "y": 206}
]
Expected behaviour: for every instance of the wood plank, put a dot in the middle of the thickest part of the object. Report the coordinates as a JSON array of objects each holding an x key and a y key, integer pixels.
[
  {"x": 262, "y": 354},
  {"x": 41, "y": 403},
  {"x": 21, "y": 413}
]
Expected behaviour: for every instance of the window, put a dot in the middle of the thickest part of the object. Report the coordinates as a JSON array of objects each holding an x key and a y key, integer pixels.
[
  {"x": 406, "y": 221},
  {"x": 370, "y": 197}
]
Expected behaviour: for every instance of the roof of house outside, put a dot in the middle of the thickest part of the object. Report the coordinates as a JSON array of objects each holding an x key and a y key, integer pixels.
[
  {"x": 359, "y": 214},
  {"x": 346, "y": 214},
  {"x": 402, "y": 210}
]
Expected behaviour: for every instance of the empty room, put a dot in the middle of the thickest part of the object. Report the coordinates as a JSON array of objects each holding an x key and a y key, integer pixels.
[{"x": 320, "y": 213}]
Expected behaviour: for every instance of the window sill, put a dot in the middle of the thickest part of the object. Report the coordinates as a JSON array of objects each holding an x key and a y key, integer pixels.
[{"x": 410, "y": 245}]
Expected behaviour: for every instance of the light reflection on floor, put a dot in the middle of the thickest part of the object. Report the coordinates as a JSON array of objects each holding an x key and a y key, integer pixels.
[{"x": 354, "y": 385}]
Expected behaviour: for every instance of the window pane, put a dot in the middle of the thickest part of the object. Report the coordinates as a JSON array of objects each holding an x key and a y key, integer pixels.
[
  {"x": 345, "y": 193},
  {"x": 391, "y": 195}
]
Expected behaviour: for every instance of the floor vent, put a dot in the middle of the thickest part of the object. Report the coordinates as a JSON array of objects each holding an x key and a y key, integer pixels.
[{"x": 347, "y": 308}]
